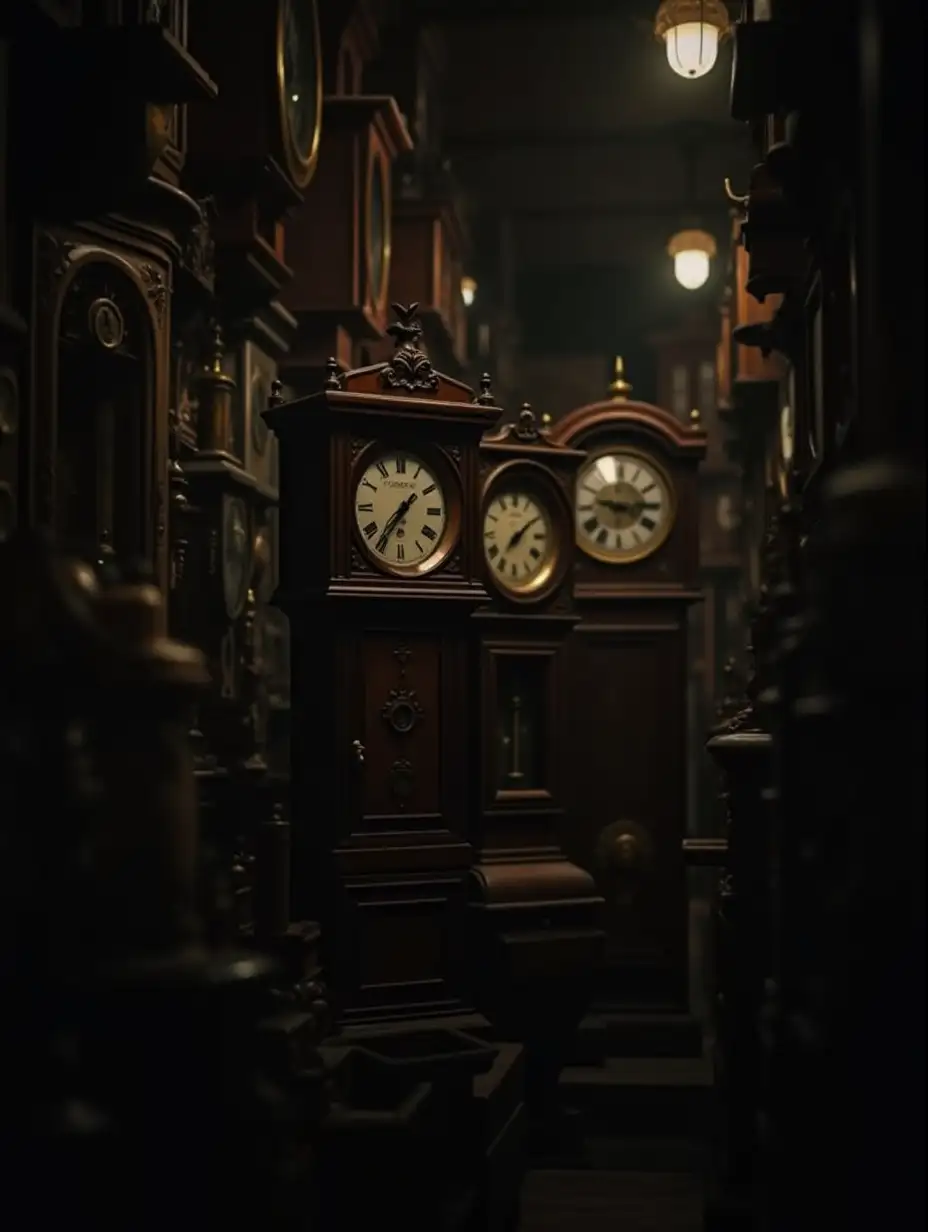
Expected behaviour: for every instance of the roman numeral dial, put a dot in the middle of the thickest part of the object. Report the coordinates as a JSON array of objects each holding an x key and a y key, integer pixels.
[
  {"x": 400, "y": 511},
  {"x": 625, "y": 507},
  {"x": 518, "y": 540}
]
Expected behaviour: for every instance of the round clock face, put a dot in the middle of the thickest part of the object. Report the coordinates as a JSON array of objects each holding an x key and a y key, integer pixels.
[
  {"x": 300, "y": 82},
  {"x": 518, "y": 540},
  {"x": 401, "y": 512},
  {"x": 235, "y": 554},
  {"x": 625, "y": 507},
  {"x": 377, "y": 230}
]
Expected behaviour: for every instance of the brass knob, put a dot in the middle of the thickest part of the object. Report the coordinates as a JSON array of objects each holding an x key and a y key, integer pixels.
[{"x": 626, "y": 850}]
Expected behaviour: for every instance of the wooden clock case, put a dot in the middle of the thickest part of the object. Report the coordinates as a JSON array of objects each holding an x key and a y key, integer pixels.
[
  {"x": 627, "y": 702},
  {"x": 340, "y": 289},
  {"x": 381, "y": 812},
  {"x": 536, "y": 934}
]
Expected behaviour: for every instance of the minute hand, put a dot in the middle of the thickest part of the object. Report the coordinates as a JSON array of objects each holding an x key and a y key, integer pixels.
[
  {"x": 391, "y": 522},
  {"x": 521, "y": 531}
]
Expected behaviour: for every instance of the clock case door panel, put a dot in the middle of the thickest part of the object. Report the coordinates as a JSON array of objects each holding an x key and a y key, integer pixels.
[
  {"x": 520, "y": 704},
  {"x": 627, "y": 702},
  {"x": 627, "y": 691}
]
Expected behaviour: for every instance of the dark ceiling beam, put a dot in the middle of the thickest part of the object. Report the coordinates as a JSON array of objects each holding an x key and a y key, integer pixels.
[
  {"x": 715, "y": 209},
  {"x": 684, "y": 134},
  {"x": 506, "y": 10}
]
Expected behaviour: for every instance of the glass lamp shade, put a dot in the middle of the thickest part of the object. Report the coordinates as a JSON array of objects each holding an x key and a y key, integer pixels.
[
  {"x": 691, "y": 269},
  {"x": 692, "y": 253},
  {"x": 692, "y": 48},
  {"x": 468, "y": 291}
]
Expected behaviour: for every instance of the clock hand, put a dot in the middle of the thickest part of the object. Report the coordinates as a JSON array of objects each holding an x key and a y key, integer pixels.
[
  {"x": 393, "y": 519},
  {"x": 517, "y": 536}
]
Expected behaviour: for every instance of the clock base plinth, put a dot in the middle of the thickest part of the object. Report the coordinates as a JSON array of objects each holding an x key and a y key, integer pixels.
[{"x": 536, "y": 942}]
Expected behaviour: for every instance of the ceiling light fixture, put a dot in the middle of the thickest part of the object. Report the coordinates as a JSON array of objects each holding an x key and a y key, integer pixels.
[
  {"x": 691, "y": 31},
  {"x": 692, "y": 253}
]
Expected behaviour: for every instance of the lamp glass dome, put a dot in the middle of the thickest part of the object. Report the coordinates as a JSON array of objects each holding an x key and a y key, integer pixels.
[
  {"x": 692, "y": 48},
  {"x": 691, "y": 268},
  {"x": 468, "y": 291}
]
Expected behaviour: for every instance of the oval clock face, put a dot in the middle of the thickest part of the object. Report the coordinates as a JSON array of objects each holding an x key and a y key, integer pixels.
[
  {"x": 377, "y": 230},
  {"x": 401, "y": 513},
  {"x": 300, "y": 80},
  {"x": 519, "y": 540},
  {"x": 235, "y": 554},
  {"x": 625, "y": 507}
]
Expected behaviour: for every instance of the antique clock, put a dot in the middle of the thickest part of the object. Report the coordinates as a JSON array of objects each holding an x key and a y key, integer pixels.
[
  {"x": 255, "y": 151},
  {"x": 536, "y": 929},
  {"x": 636, "y": 575},
  {"x": 381, "y": 571},
  {"x": 339, "y": 240},
  {"x": 230, "y": 506}
]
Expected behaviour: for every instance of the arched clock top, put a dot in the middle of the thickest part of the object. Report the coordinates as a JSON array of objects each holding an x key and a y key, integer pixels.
[{"x": 583, "y": 424}]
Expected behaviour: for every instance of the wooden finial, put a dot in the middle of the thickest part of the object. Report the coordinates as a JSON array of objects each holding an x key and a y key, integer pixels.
[
  {"x": 485, "y": 397},
  {"x": 620, "y": 388},
  {"x": 333, "y": 374}
]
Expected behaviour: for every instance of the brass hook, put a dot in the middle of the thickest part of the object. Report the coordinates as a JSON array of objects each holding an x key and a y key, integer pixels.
[{"x": 733, "y": 196}]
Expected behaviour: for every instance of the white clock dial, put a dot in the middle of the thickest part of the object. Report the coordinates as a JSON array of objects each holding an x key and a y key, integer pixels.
[
  {"x": 400, "y": 511},
  {"x": 625, "y": 507},
  {"x": 518, "y": 540}
]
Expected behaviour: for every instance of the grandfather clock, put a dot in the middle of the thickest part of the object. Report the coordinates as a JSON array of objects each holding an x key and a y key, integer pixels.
[
  {"x": 637, "y": 531},
  {"x": 535, "y": 915},
  {"x": 380, "y": 573}
]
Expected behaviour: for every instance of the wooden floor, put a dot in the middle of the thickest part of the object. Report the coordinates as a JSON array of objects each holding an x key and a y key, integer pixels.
[{"x": 587, "y": 1201}]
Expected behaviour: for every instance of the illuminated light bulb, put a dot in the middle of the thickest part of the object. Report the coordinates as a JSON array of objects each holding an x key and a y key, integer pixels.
[
  {"x": 468, "y": 291},
  {"x": 691, "y": 31},
  {"x": 692, "y": 48},
  {"x": 692, "y": 253}
]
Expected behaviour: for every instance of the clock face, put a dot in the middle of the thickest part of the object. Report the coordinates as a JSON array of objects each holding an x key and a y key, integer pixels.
[
  {"x": 625, "y": 507},
  {"x": 235, "y": 554},
  {"x": 300, "y": 83},
  {"x": 519, "y": 540},
  {"x": 401, "y": 512},
  {"x": 377, "y": 230}
]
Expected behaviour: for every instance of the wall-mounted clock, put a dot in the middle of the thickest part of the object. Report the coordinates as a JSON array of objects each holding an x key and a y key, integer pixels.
[
  {"x": 626, "y": 505},
  {"x": 299, "y": 82},
  {"x": 524, "y": 536},
  {"x": 236, "y": 553},
  {"x": 407, "y": 509}
]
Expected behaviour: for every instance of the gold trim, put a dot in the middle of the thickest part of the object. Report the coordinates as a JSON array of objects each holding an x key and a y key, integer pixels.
[
  {"x": 537, "y": 481},
  {"x": 378, "y": 160},
  {"x": 301, "y": 164},
  {"x": 653, "y": 545},
  {"x": 444, "y": 472}
]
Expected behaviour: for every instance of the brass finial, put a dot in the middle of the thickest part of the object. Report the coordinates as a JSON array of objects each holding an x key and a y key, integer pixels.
[
  {"x": 214, "y": 419},
  {"x": 546, "y": 421},
  {"x": 485, "y": 397},
  {"x": 333, "y": 374},
  {"x": 695, "y": 419},
  {"x": 620, "y": 388}
]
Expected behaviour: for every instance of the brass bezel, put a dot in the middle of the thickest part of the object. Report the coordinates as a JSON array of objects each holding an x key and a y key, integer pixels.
[
  {"x": 441, "y": 466},
  {"x": 655, "y": 544},
  {"x": 377, "y": 164},
  {"x": 301, "y": 164},
  {"x": 536, "y": 480}
]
